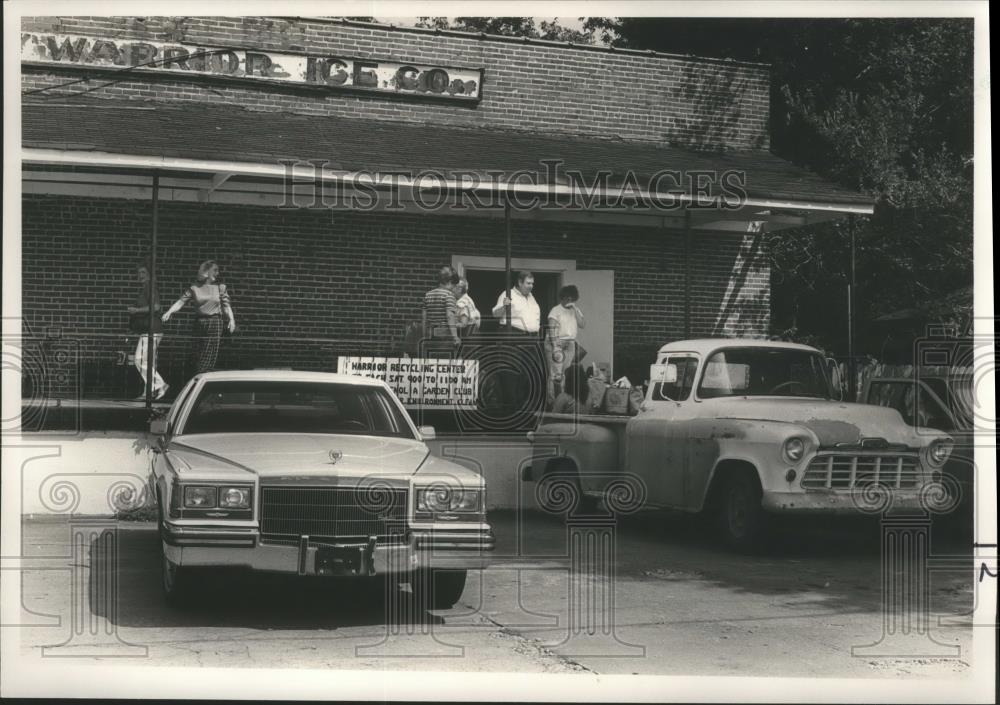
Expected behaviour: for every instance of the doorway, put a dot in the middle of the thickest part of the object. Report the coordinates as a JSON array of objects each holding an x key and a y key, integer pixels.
[{"x": 485, "y": 286}]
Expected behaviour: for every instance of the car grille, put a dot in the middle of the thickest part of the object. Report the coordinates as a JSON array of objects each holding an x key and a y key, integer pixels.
[
  {"x": 842, "y": 472},
  {"x": 331, "y": 514}
]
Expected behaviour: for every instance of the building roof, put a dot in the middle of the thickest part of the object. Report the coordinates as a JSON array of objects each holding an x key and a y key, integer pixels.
[{"x": 233, "y": 134}]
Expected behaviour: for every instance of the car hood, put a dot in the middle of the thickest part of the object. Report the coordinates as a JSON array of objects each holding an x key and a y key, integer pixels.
[
  {"x": 832, "y": 422},
  {"x": 305, "y": 454}
]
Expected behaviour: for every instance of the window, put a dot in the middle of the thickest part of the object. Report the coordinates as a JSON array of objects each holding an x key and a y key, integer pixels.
[
  {"x": 687, "y": 367},
  {"x": 295, "y": 407},
  {"x": 916, "y": 403},
  {"x": 782, "y": 372}
]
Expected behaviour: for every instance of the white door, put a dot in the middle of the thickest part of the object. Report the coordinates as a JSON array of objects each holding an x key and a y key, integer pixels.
[{"x": 597, "y": 301}]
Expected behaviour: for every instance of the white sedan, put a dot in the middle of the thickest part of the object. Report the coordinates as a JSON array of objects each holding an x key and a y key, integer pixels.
[{"x": 311, "y": 473}]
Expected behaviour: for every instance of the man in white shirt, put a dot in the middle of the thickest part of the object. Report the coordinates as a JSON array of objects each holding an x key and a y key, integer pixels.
[
  {"x": 564, "y": 320},
  {"x": 523, "y": 381},
  {"x": 525, "y": 316}
]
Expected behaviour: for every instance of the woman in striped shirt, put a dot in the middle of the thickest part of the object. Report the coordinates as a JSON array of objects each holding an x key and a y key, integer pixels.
[{"x": 211, "y": 302}]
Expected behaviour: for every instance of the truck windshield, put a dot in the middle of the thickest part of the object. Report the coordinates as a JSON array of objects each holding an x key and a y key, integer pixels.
[
  {"x": 740, "y": 372},
  {"x": 295, "y": 407}
]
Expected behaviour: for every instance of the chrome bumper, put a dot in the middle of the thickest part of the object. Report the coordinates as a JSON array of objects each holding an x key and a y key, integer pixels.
[
  {"x": 836, "y": 502},
  {"x": 242, "y": 548}
]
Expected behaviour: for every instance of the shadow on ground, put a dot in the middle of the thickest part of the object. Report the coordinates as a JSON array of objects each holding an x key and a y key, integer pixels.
[
  {"x": 835, "y": 564},
  {"x": 835, "y": 561},
  {"x": 237, "y": 598}
]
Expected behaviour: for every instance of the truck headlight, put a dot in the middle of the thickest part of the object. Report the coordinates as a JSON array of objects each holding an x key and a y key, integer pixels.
[
  {"x": 200, "y": 497},
  {"x": 234, "y": 497},
  {"x": 938, "y": 452},
  {"x": 448, "y": 499},
  {"x": 794, "y": 449}
]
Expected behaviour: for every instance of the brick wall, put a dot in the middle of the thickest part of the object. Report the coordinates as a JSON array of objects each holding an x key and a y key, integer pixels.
[
  {"x": 310, "y": 284},
  {"x": 538, "y": 88}
]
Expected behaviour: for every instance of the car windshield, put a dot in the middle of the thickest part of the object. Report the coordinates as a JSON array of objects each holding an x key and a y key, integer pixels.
[
  {"x": 295, "y": 407},
  {"x": 781, "y": 372}
]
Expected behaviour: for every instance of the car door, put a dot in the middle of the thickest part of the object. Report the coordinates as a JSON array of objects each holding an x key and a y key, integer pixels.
[
  {"x": 657, "y": 436},
  {"x": 922, "y": 407}
]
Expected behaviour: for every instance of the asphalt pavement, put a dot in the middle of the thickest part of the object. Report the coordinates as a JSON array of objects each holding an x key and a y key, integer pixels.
[{"x": 646, "y": 594}]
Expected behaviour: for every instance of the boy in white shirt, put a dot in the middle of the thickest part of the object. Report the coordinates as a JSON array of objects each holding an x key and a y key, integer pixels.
[{"x": 564, "y": 321}]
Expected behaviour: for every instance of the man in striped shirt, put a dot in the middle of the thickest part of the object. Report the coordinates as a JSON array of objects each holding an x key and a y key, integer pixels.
[{"x": 441, "y": 310}]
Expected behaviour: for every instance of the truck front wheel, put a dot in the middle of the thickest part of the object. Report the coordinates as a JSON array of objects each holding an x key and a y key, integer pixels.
[
  {"x": 559, "y": 493},
  {"x": 742, "y": 520}
]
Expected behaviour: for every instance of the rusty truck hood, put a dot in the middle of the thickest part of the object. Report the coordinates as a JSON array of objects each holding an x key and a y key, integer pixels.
[{"x": 833, "y": 422}]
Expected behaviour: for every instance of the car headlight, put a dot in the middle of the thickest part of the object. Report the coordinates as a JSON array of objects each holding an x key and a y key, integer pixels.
[
  {"x": 200, "y": 497},
  {"x": 234, "y": 497},
  {"x": 794, "y": 449},
  {"x": 448, "y": 499},
  {"x": 938, "y": 452}
]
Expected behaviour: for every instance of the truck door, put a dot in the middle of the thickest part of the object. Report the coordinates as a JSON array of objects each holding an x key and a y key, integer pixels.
[{"x": 657, "y": 436}]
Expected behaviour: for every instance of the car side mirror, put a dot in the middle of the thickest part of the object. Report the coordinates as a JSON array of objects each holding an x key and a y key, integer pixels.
[
  {"x": 159, "y": 426},
  {"x": 662, "y": 374},
  {"x": 428, "y": 433}
]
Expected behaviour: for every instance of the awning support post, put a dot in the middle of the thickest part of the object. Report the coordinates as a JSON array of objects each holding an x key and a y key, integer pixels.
[
  {"x": 851, "y": 288},
  {"x": 506, "y": 223},
  {"x": 687, "y": 273},
  {"x": 664, "y": 234},
  {"x": 150, "y": 338}
]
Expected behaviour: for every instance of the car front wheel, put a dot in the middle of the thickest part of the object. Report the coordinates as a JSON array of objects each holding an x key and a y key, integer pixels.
[
  {"x": 174, "y": 581},
  {"x": 437, "y": 589}
]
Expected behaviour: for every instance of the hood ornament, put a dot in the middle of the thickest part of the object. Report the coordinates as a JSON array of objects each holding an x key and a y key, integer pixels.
[{"x": 335, "y": 456}]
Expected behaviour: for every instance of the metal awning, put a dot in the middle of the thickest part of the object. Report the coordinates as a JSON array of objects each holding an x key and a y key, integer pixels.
[{"x": 223, "y": 154}]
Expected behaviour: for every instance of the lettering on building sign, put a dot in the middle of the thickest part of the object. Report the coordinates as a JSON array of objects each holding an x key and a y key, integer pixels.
[
  {"x": 214, "y": 62},
  {"x": 418, "y": 381}
]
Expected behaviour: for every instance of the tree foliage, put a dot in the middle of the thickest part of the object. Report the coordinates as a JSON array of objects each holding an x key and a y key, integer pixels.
[
  {"x": 884, "y": 106},
  {"x": 549, "y": 30}
]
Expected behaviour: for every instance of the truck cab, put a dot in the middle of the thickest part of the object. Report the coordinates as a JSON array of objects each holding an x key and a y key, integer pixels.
[{"x": 743, "y": 429}]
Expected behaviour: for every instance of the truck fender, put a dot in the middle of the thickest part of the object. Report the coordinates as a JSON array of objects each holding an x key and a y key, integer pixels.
[{"x": 728, "y": 463}]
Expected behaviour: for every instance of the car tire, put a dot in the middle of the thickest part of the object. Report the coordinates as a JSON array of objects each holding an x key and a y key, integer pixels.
[
  {"x": 175, "y": 582},
  {"x": 174, "y": 579},
  {"x": 437, "y": 589},
  {"x": 741, "y": 519}
]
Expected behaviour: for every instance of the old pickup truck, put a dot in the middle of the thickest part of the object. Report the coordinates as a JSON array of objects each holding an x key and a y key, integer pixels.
[{"x": 740, "y": 430}]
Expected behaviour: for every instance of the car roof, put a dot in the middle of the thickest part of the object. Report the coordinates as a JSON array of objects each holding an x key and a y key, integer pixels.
[
  {"x": 288, "y": 376},
  {"x": 707, "y": 345}
]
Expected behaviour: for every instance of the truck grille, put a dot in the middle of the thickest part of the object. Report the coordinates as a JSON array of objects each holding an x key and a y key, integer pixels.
[
  {"x": 331, "y": 514},
  {"x": 843, "y": 472}
]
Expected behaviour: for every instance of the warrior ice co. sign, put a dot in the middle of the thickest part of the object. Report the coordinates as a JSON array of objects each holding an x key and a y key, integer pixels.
[
  {"x": 297, "y": 69},
  {"x": 419, "y": 381}
]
